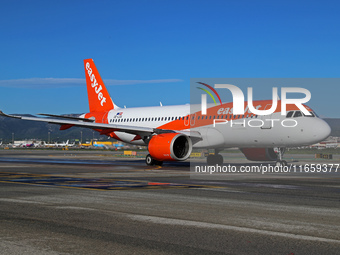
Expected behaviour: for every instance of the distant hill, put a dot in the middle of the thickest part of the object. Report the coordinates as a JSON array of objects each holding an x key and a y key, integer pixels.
[{"x": 25, "y": 129}]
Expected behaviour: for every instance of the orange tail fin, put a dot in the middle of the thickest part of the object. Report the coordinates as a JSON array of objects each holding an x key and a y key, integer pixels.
[{"x": 99, "y": 97}]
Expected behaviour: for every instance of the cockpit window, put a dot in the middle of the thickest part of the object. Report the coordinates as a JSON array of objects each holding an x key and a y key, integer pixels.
[
  {"x": 297, "y": 114},
  {"x": 312, "y": 114},
  {"x": 290, "y": 114}
]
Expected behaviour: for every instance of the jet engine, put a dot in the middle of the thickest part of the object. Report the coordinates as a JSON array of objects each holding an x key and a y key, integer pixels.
[
  {"x": 170, "y": 147},
  {"x": 260, "y": 154}
]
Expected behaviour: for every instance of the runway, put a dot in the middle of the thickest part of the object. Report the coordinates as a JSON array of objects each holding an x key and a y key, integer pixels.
[{"x": 88, "y": 202}]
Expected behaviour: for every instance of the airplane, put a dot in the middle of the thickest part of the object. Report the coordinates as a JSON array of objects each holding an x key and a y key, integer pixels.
[
  {"x": 171, "y": 132},
  {"x": 17, "y": 144},
  {"x": 64, "y": 144},
  {"x": 49, "y": 144},
  {"x": 98, "y": 145},
  {"x": 29, "y": 145}
]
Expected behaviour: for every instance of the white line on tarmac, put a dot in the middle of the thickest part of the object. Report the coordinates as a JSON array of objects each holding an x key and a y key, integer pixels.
[
  {"x": 179, "y": 222},
  {"x": 12, "y": 166}
]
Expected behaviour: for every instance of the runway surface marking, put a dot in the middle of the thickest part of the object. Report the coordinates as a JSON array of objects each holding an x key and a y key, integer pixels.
[
  {"x": 12, "y": 166},
  {"x": 87, "y": 183},
  {"x": 198, "y": 224}
]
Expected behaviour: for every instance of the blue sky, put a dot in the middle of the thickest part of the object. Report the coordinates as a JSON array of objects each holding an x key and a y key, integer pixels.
[{"x": 148, "y": 50}]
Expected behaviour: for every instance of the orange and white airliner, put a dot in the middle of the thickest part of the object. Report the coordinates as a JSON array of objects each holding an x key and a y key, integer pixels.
[{"x": 171, "y": 132}]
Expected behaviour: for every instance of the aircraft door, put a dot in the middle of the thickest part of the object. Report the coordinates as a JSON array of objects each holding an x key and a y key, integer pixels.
[{"x": 192, "y": 119}]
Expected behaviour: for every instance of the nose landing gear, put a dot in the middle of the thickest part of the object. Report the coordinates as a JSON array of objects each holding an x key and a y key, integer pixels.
[{"x": 280, "y": 152}]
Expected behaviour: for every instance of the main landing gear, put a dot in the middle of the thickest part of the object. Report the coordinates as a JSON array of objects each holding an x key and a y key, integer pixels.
[
  {"x": 215, "y": 159},
  {"x": 280, "y": 152},
  {"x": 150, "y": 161}
]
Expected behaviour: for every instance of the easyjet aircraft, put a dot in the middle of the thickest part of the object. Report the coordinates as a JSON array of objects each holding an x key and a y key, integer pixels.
[{"x": 171, "y": 132}]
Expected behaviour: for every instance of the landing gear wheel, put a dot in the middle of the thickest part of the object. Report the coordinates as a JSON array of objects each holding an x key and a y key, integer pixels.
[
  {"x": 219, "y": 159},
  {"x": 215, "y": 159},
  {"x": 149, "y": 160},
  {"x": 210, "y": 160},
  {"x": 281, "y": 163}
]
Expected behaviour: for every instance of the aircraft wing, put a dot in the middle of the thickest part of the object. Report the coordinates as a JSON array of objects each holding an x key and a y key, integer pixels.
[{"x": 107, "y": 128}]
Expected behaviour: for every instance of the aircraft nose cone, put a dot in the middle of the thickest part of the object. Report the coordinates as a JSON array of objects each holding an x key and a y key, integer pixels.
[{"x": 322, "y": 130}]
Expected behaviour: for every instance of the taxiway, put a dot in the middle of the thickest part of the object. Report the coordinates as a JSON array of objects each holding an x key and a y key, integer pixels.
[{"x": 83, "y": 202}]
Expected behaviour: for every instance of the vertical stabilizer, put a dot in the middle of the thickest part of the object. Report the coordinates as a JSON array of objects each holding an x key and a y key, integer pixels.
[{"x": 99, "y": 97}]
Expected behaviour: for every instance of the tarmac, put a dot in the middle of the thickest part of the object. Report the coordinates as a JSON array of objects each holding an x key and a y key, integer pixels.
[{"x": 90, "y": 202}]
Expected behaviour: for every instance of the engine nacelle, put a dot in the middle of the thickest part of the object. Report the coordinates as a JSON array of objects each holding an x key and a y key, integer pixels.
[
  {"x": 170, "y": 147},
  {"x": 260, "y": 154}
]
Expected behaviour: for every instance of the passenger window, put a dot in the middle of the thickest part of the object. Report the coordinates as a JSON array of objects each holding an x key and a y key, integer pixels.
[
  {"x": 297, "y": 114},
  {"x": 290, "y": 114}
]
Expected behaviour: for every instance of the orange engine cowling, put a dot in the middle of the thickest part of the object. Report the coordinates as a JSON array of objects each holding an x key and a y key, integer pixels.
[
  {"x": 170, "y": 147},
  {"x": 260, "y": 154}
]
